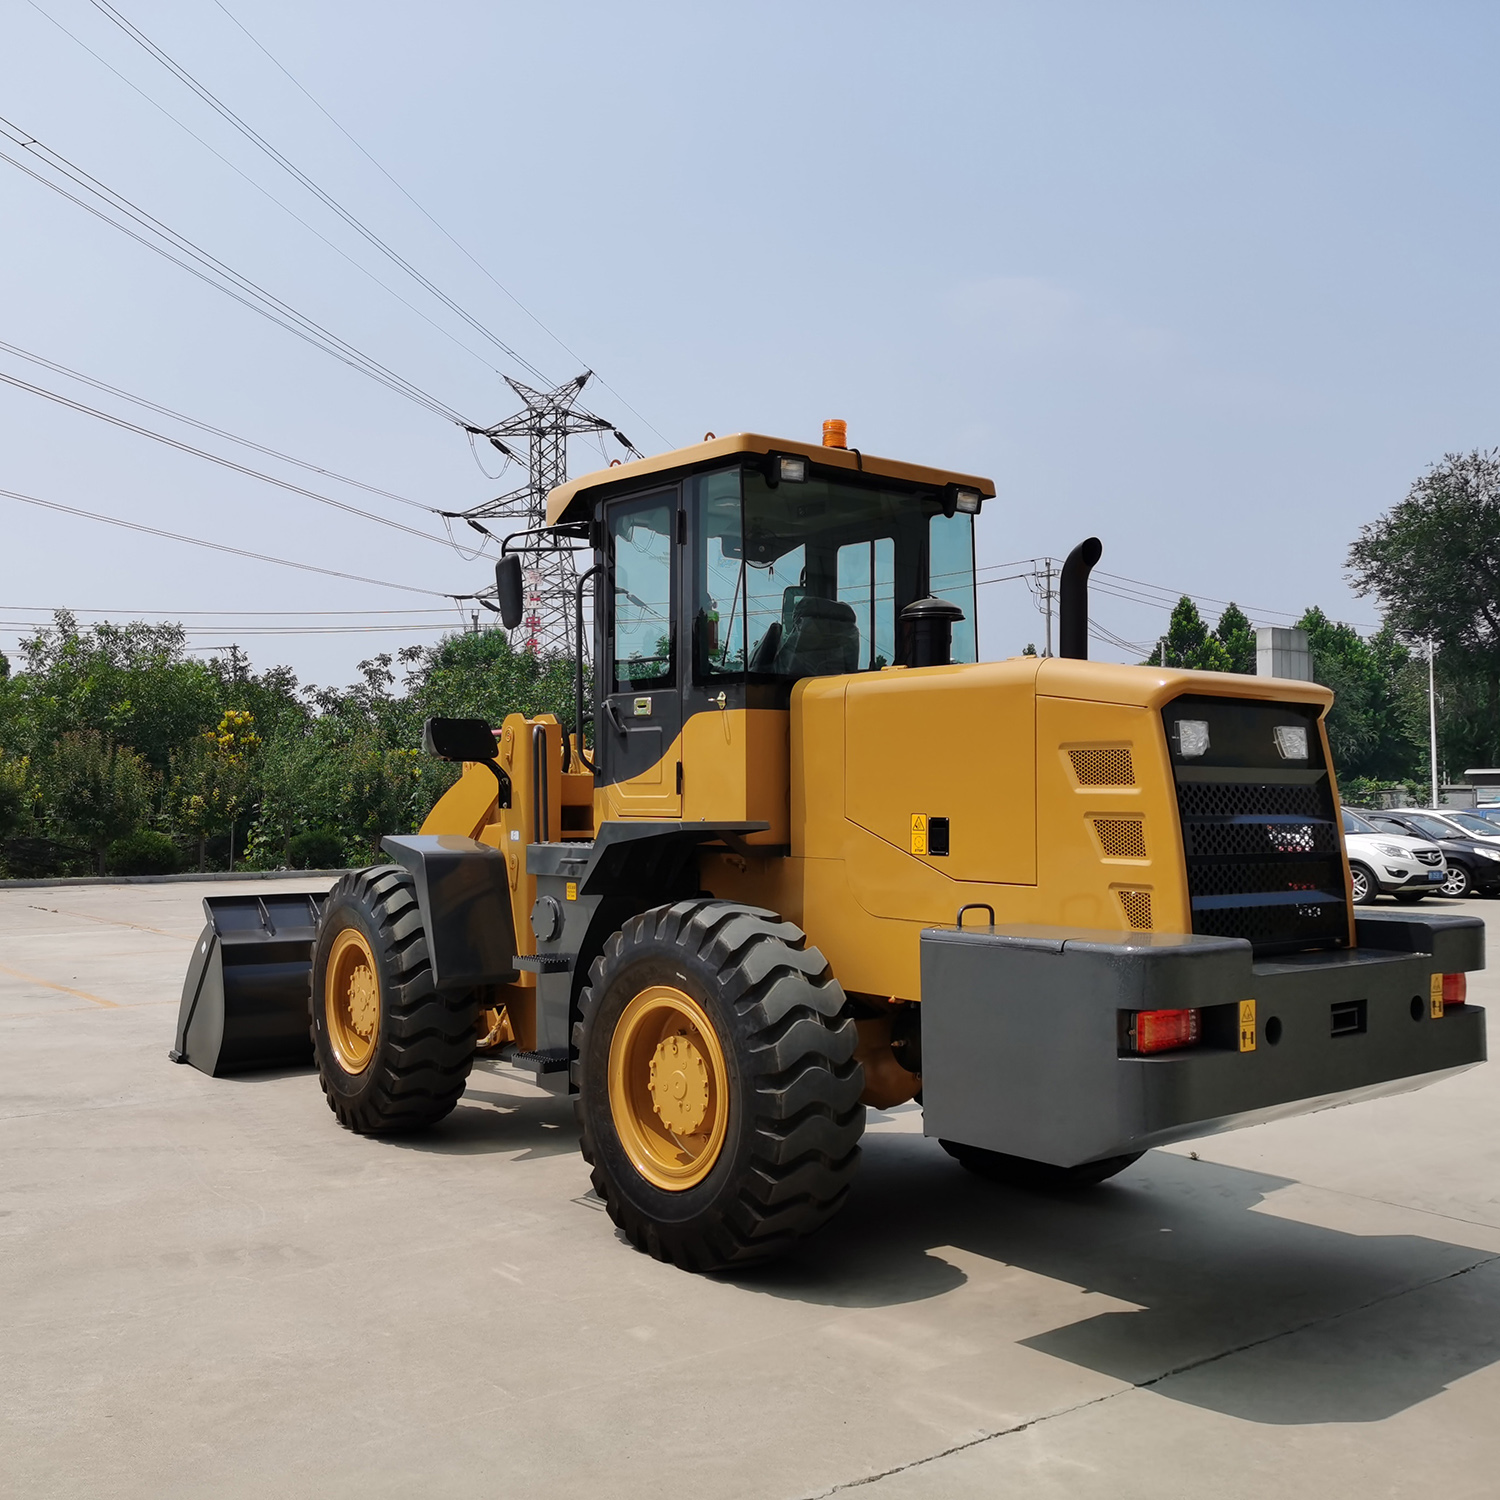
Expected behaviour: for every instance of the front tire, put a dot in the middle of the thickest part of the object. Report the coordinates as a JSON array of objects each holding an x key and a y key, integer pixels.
[
  {"x": 1363, "y": 886},
  {"x": 392, "y": 1053},
  {"x": 1456, "y": 882},
  {"x": 717, "y": 1091},
  {"x": 1021, "y": 1171}
]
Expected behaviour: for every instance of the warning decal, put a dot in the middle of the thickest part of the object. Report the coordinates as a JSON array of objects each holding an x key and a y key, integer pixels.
[
  {"x": 919, "y": 833},
  {"x": 1247, "y": 1026},
  {"x": 1435, "y": 1007}
]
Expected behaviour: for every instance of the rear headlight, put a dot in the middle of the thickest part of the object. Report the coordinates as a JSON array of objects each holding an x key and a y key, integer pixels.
[{"x": 1164, "y": 1030}]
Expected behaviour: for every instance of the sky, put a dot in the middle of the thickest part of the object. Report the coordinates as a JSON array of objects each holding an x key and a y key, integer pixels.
[{"x": 1212, "y": 282}]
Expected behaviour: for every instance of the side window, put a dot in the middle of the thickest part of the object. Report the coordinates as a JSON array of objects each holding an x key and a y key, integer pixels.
[
  {"x": 719, "y": 606},
  {"x": 950, "y": 575},
  {"x": 867, "y": 583},
  {"x": 640, "y": 541}
]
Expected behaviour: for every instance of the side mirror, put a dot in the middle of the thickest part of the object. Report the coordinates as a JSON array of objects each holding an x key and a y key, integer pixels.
[
  {"x": 508, "y": 591},
  {"x": 459, "y": 739},
  {"x": 466, "y": 739}
]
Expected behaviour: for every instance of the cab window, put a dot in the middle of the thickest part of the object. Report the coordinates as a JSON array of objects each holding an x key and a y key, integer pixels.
[{"x": 640, "y": 540}]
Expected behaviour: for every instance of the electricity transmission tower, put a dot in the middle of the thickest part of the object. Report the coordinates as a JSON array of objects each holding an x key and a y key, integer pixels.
[{"x": 546, "y": 422}]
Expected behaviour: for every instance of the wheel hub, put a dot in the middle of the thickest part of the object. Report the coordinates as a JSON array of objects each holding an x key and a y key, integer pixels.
[
  {"x": 363, "y": 1001},
  {"x": 351, "y": 1000},
  {"x": 668, "y": 1087},
  {"x": 679, "y": 1085}
]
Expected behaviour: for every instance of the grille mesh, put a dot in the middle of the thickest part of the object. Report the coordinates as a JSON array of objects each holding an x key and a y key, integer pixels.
[
  {"x": 1252, "y": 837},
  {"x": 1113, "y": 766},
  {"x": 1256, "y": 847},
  {"x": 1137, "y": 906},
  {"x": 1121, "y": 838},
  {"x": 1237, "y": 799}
]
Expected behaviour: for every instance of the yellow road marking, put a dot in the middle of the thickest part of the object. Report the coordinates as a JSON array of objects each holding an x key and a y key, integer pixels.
[{"x": 48, "y": 984}]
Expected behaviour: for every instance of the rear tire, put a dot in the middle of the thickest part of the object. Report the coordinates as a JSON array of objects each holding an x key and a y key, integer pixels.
[
  {"x": 1021, "y": 1171},
  {"x": 393, "y": 1054},
  {"x": 717, "y": 1090},
  {"x": 1363, "y": 886}
]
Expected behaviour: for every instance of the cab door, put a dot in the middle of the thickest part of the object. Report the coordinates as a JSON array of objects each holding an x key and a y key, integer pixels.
[{"x": 641, "y": 721}]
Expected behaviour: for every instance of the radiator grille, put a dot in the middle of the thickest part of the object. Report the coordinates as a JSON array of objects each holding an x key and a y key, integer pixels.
[
  {"x": 1137, "y": 906},
  {"x": 1112, "y": 766},
  {"x": 1121, "y": 838},
  {"x": 1430, "y": 856},
  {"x": 1261, "y": 843}
]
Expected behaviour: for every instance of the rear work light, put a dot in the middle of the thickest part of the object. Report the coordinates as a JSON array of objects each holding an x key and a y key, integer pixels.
[{"x": 1163, "y": 1030}]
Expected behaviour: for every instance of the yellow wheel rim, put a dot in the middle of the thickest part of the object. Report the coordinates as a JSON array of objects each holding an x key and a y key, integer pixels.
[
  {"x": 668, "y": 1088},
  {"x": 351, "y": 1000}
]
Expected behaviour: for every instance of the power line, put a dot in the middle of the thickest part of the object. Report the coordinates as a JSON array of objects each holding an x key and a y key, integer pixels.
[
  {"x": 264, "y": 191},
  {"x": 209, "y": 268},
  {"x": 214, "y": 458},
  {"x": 236, "y": 614},
  {"x": 173, "y": 536},
  {"x": 286, "y": 164},
  {"x": 458, "y": 245},
  {"x": 177, "y": 416}
]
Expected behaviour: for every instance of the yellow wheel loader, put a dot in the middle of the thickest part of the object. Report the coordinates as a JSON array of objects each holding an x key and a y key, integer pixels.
[{"x": 801, "y": 853}]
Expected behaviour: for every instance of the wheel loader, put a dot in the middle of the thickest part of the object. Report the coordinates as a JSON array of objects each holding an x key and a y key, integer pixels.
[{"x": 800, "y": 854}]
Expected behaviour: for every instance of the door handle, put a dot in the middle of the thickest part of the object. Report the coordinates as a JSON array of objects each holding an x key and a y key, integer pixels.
[{"x": 614, "y": 716}]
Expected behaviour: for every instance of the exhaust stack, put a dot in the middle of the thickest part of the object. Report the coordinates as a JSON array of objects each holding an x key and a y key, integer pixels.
[{"x": 1073, "y": 599}]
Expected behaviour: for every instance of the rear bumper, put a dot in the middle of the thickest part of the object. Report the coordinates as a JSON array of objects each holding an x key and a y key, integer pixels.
[{"x": 1021, "y": 1032}]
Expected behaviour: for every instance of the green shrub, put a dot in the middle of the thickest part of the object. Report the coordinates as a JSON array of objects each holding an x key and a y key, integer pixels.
[
  {"x": 144, "y": 852},
  {"x": 317, "y": 849}
]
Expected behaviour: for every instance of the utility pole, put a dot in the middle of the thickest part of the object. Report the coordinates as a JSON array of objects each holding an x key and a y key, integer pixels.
[
  {"x": 1047, "y": 600},
  {"x": 1432, "y": 717},
  {"x": 549, "y": 574}
]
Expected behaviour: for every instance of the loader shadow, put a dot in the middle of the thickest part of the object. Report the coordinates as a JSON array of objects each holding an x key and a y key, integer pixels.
[
  {"x": 496, "y": 1118},
  {"x": 1203, "y": 1274}
]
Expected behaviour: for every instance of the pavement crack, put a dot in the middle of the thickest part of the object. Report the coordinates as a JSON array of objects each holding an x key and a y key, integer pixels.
[{"x": 1154, "y": 1380}]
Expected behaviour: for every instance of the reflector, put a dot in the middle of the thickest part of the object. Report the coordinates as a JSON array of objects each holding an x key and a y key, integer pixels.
[{"x": 1164, "y": 1030}]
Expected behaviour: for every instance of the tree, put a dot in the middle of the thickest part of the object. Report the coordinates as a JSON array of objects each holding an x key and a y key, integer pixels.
[
  {"x": 1236, "y": 635},
  {"x": 16, "y": 792},
  {"x": 96, "y": 791},
  {"x": 1433, "y": 561},
  {"x": 213, "y": 780}
]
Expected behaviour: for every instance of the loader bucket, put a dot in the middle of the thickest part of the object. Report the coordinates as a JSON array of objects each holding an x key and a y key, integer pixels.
[{"x": 245, "y": 998}]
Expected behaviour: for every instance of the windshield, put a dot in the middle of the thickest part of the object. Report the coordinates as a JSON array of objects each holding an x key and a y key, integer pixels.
[
  {"x": 1434, "y": 828},
  {"x": 1353, "y": 823},
  {"x": 1474, "y": 824},
  {"x": 809, "y": 579}
]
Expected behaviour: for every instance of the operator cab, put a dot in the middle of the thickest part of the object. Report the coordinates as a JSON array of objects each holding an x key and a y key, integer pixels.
[{"x": 731, "y": 570}]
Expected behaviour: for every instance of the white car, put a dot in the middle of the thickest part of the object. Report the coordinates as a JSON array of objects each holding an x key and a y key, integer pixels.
[{"x": 1401, "y": 867}]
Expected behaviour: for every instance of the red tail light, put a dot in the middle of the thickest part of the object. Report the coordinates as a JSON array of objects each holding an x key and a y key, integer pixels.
[
  {"x": 1165, "y": 1030},
  {"x": 1455, "y": 989}
]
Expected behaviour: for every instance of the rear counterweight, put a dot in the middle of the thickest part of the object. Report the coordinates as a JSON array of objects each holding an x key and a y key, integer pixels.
[{"x": 1027, "y": 1048}]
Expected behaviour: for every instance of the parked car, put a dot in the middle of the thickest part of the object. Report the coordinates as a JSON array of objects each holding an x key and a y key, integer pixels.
[
  {"x": 1473, "y": 863},
  {"x": 1473, "y": 822},
  {"x": 1390, "y": 861},
  {"x": 1490, "y": 813}
]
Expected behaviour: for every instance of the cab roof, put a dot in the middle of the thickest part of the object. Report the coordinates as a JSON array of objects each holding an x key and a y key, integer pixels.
[{"x": 564, "y": 503}]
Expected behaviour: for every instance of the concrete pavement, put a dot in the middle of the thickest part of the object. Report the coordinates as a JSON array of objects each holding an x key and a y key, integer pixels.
[{"x": 207, "y": 1288}]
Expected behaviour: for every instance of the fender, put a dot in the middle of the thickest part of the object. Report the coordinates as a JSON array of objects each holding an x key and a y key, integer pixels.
[{"x": 463, "y": 892}]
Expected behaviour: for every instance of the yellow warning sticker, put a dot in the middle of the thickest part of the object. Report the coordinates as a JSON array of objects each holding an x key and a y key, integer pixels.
[
  {"x": 919, "y": 833},
  {"x": 572, "y": 890},
  {"x": 1435, "y": 1004},
  {"x": 1247, "y": 1026}
]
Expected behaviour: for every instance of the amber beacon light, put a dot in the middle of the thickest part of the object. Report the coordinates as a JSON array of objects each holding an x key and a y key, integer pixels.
[{"x": 835, "y": 433}]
